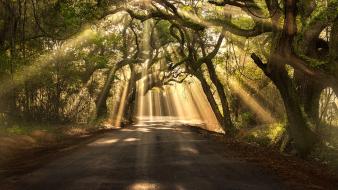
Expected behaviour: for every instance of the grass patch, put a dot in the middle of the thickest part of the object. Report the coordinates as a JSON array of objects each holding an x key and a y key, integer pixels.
[
  {"x": 26, "y": 128},
  {"x": 264, "y": 135},
  {"x": 325, "y": 152}
]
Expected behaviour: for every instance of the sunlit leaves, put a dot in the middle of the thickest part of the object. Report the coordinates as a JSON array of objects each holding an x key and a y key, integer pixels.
[{"x": 243, "y": 22}]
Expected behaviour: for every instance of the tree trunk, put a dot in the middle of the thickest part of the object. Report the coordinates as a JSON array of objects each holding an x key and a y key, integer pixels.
[
  {"x": 298, "y": 129},
  {"x": 226, "y": 123},
  {"x": 301, "y": 134},
  {"x": 207, "y": 91},
  {"x": 311, "y": 103},
  {"x": 334, "y": 55},
  {"x": 304, "y": 138},
  {"x": 131, "y": 98},
  {"x": 101, "y": 101},
  {"x": 309, "y": 92}
]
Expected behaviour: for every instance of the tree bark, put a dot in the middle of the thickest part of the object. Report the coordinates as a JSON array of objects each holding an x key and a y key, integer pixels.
[
  {"x": 309, "y": 92},
  {"x": 304, "y": 138},
  {"x": 207, "y": 91},
  {"x": 101, "y": 100},
  {"x": 131, "y": 98},
  {"x": 226, "y": 120},
  {"x": 298, "y": 128}
]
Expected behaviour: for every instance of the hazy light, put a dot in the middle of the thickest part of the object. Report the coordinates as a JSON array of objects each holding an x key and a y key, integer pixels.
[
  {"x": 127, "y": 130},
  {"x": 131, "y": 139},
  {"x": 143, "y": 130},
  {"x": 179, "y": 187},
  {"x": 45, "y": 60},
  {"x": 103, "y": 142},
  {"x": 185, "y": 104},
  {"x": 251, "y": 102},
  {"x": 140, "y": 97},
  {"x": 203, "y": 105},
  {"x": 144, "y": 186},
  {"x": 150, "y": 104},
  {"x": 122, "y": 106},
  {"x": 189, "y": 150}
]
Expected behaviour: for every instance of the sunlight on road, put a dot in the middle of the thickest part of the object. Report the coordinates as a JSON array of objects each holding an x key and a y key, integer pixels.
[
  {"x": 131, "y": 139},
  {"x": 103, "y": 142},
  {"x": 189, "y": 150},
  {"x": 144, "y": 186}
]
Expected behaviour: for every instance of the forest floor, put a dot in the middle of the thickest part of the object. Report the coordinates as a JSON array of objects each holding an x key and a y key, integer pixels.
[
  {"x": 295, "y": 172},
  {"x": 160, "y": 157}
]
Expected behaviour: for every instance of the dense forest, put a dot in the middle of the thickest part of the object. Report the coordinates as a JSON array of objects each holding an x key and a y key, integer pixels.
[{"x": 265, "y": 66}]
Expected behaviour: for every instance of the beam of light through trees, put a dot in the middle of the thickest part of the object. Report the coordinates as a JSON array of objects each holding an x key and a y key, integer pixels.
[
  {"x": 250, "y": 101},
  {"x": 83, "y": 38},
  {"x": 43, "y": 61},
  {"x": 122, "y": 106}
]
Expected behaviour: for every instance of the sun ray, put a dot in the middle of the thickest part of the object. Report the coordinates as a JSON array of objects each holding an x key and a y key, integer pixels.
[
  {"x": 122, "y": 106},
  {"x": 251, "y": 102}
]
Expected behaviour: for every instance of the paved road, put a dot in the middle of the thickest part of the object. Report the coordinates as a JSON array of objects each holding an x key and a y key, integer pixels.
[{"x": 155, "y": 156}]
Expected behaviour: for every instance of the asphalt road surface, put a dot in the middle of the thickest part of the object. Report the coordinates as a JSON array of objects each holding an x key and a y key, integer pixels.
[{"x": 153, "y": 156}]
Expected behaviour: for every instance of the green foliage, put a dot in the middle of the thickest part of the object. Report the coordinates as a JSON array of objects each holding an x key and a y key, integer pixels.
[
  {"x": 24, "y": 128},
  {"x": 76, "y": 13},
  {"x": 323, "y": 13},
  {"x": 5, "y": 65},
  {"x": 186, "y": 8},
  {"x": 246, "y": 118},
  {"x": 299, "y": 50},
  {"x": 163, "y": 32},
  {"x": 265, "y": 135},
  {"x": 99, "y": 60},
  {"x": 243, "y": 22},
  {"x": 2, "y": 23}
]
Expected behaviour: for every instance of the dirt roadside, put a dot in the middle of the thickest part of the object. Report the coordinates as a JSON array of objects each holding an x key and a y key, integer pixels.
[
  {"x": 296, "y": 173},
  {"x": 26, "y": 153}
]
